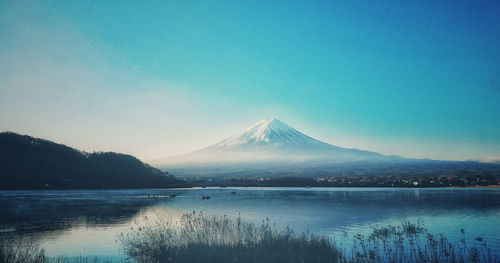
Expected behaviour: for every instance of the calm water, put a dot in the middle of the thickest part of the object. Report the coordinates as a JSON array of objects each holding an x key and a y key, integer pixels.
[{"x": 75, "y": 223}]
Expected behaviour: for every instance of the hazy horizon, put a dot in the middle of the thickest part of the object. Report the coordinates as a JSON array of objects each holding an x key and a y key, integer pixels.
[{"x": 159, "y": 79}]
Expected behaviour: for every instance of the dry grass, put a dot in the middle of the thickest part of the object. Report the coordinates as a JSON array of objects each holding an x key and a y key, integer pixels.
[
  {"x": 20, "y": 251},
  {"x": 412, "y": 243},
  {"x": 201, "y": 238},
  {"x": 208, "y": 238}
]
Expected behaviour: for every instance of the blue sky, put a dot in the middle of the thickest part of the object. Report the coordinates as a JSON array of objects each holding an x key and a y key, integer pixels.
[{"x": 159, "y": 78}]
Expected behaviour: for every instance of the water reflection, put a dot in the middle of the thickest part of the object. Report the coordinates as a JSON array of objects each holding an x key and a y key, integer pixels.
[
  {"x": 87, "y": 222},
  {"x": 26, "y": 212}
]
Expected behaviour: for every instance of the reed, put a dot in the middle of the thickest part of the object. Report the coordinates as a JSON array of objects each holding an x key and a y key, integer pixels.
[
  {"x": 20, "y": 251},
  {"x": 26, "y": 250},
  {"x": 412, "y": 243},
  {"x": 208, "y": 238},
  {"x": 202, "y": 238}
]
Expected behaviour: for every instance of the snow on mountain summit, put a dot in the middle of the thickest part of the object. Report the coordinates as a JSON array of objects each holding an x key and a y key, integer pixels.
[
  {"x": 267, "y": 132},
  {"x": 270, "y": 140}
]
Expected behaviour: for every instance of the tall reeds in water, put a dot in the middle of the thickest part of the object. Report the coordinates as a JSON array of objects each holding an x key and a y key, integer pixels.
[
  {"x": 209, "y": 238},
  {"x": 20, "y": 251},
  {"x": 204, "y": 238},
  {"x": 26, "y": 250},
  {"x": 412, "y": 243}
]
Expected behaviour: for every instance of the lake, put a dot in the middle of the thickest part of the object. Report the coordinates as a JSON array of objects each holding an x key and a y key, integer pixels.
[{"x": 87, "y": 222}]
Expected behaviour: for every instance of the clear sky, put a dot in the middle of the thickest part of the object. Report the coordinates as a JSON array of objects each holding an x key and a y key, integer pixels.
[{"x": 160, "y": 78}]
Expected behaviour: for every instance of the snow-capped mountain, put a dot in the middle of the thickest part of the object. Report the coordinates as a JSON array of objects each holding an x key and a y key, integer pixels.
[
  {"x": 273, "y": 149},
  {"x": 269, "y": 134},
  {"x": 269, "y": 141}
]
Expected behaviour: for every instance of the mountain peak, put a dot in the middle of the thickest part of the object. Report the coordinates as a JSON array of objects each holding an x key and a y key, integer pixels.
[
  {"x": 268, "y": 124},
  {"x": 269, "y": 120},
  {"x": 271, "y": 140},
  {"x": 267, "y": 132}
]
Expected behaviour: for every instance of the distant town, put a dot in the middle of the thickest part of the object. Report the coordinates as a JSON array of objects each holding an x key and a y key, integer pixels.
[{"x": 357, "y": 181}]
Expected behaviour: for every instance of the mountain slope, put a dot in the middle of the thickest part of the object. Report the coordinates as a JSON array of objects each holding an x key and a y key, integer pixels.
[
  {"x": 32, "y": 163},
  {"x": 270, "y": 141},
  {"x": 272, "y": 149},
  {"x": 271, "y": 133}
]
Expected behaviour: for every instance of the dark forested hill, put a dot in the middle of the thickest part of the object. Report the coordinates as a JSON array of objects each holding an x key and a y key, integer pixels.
[{"x": 32, "y": 163}]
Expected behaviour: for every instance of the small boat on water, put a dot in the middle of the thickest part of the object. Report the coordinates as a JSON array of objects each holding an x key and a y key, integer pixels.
[{"x": 206, "y": 197}]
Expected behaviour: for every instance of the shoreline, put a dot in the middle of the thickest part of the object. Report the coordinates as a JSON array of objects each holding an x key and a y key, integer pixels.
[
  {"x": 476, "y": 186},
  {"x": 252, "y": 186}
]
